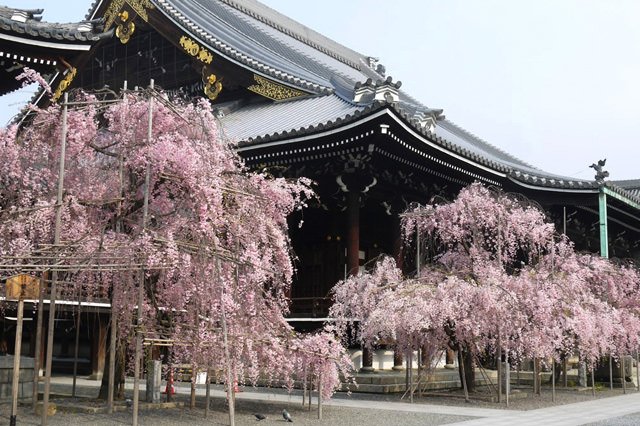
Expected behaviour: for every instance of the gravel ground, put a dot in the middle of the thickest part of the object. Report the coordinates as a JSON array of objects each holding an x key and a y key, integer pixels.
[
  {"x": 244, "y": 416},
  {"x": 521, "y": 399},
  {"x": 332, "y": 415},
  {"x": 630, "y": 420}
]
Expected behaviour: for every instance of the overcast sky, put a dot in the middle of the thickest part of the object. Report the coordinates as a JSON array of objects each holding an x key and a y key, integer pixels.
[{"x": 554, "y": 82}]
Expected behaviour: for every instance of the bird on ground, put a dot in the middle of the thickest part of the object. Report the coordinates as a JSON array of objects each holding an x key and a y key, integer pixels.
[
  {"x": 260, "y": 416},
  {"x": 287, "y": 416}
]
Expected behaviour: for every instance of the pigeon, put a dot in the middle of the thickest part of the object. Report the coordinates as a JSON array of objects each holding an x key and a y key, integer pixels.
[
  {"x": 260, "y": 416},
  {"x": 287, "y": 416}
]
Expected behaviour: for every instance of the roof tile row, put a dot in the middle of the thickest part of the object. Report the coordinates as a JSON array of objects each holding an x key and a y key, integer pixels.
[{"x": 31, "y": 25}]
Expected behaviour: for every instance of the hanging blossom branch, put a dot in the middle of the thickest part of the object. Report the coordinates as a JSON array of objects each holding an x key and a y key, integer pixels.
[
  {"x": 204, "y": 207},
  {"x": 29, "y": 76},
  {"x": 500, "y": 276}
]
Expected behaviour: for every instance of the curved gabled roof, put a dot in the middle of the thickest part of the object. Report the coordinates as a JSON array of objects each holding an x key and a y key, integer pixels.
[
  {"x": 629, "y": 188},
  {"x": 270, "y": 44},
  {"x": 27, "y": 41},
  {"x": 27, "y": 25}
]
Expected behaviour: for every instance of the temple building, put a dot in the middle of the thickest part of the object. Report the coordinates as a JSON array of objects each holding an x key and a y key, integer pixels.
[{"x": 297, "y": 103}]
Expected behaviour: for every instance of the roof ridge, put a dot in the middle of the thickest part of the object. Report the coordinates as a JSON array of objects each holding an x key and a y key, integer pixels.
[
  {"x": 630, "y": 194},
  {"x": 30, "y": 26},
  {"x": 324, "y": 48},
  {"x": 211, "y": 41}
]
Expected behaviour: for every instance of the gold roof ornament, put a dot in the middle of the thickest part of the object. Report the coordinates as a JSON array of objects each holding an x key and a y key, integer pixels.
[
  {"x": 65, "y": 83},
  {"x": 194, "y": 49},
  {"x": 117, "y": 14},
  {"x": 272, "y": 90},
  {"x": 140, "y": 7},
  {"x": 125, "y": 28},
  {"x": 212, "y": 84}
]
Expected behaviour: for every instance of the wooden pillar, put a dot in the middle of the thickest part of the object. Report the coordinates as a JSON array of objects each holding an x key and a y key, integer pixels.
[
  {"x": 353, "y": 233},
  {"x": 15, "y": 383},
  {"x": 353, "y": 255}
]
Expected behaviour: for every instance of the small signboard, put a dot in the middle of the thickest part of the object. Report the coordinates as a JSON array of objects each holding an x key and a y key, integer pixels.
[{"x": 28, "y": 285}]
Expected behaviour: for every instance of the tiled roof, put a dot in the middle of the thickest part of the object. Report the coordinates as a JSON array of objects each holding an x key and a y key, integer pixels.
[
  {"x": 27, "y": 23},
  {"x": 269, "y": 43},
  {"x": 631, "y": 187},
  {"x": 269, "y": 120}
]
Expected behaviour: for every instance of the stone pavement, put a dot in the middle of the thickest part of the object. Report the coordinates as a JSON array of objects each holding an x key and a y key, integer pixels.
[
  {"x": 579, "y": 413},
  {"x": 603, "y": 411}
]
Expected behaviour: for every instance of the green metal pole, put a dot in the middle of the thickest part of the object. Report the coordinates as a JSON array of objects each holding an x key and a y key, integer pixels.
[{"x": 604, "y": 234}]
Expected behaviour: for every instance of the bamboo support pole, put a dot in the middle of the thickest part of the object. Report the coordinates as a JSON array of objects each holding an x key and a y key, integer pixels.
[
  {"x": 113, "y": 326},
  {"x": 227, "y": 355},
  {"x": 192, "y": 396},
  {"x": 145, "y": 212},
  {"x": 54, "y": 274},
  {"x": 417, "y": 252},
  {"x": 207, "y": 402},
  {"x": 75, "y": 351},
  {"x": 533, "y": 376},
  {"x": 15, "y": 383},
  {"x": 411, "y": 375},
  {"x": 310, "y": 391},
  {"x": 637, "y": 371},
  {"x": 553, "y": 380},
  {"x": 419, "y": 356},
  {"x": 38, "y": 351},
  {"x": 304, "y": 389},
  {"x": 319, "y": 395},
  {"x": 499, "y": 356},
  {"x": 486, "y": 377},
  {"x": 508, "y": 378}
]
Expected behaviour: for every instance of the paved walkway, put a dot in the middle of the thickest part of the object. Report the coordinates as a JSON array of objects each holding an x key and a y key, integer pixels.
[{"x": 580, "y": 413}]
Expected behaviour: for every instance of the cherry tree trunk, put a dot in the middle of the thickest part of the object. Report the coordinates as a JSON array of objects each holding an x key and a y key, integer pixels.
[
  {"x": 469, "y": 371},
  {"x": 119, "y": 373}
]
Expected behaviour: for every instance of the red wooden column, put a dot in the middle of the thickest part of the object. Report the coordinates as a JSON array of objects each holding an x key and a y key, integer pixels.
[
  {"x": 353, "y": 255},
  {"x": 353, "y": 232},
  {"x": 352, "y": 186}
]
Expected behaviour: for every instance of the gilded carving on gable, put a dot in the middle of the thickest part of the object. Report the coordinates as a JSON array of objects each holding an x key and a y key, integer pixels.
[
  {"x": 125, "y": 27},
  {"x": 195, "y": 50},
  {"x": 112, "y": 12},
  {"x": 65, "y": 83},
  {"x": 273, "y": 90},
  {"x": 212, "y": 84},
  {"x": 116, "y": 14}
]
